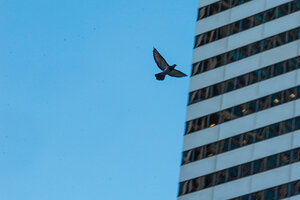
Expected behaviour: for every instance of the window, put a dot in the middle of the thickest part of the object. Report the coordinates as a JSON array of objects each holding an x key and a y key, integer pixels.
[
  {"x": 211, "y": 149},
  {"x": 270, "y": 193},
  {"x": 246, "y": 169},
  {"x": 276, "y": 99},
  {"x": 258, "y": 195},
  {"x": 272, "y": 162},
  {"x": 240, "y": 171},
  {"x": 282, "y": 10},
  {"x": 286, "y": 127},
  {"x": 197, "y": 184},
  {"x": 263, "y": 103},
  {"x": 248, "y": 138},
  {"x": 247, "y": 108},
  {"x": 283, "y": 191},
  {"x": 261, "y": 134},
  {"x": 223, "y": 146},
  {"x": 220, "y": 177},
  {"x": 295, "y": 188},
  {"x": 208, "y": 180},
  {"x": 285, "y": 158},
  {"x": 233, "y": 173},
  {"x": 274, "y": 130},
  {"x": 270, "y": 14},
  {"x": 199, "y": 153},
  {"x": 235, "y": 142},
  {"x": 258, "y": 166},
  {"x": 229, "y": 85},
  {"x": 187, "y": 157},
  {"x": 253, "y": 77},
  {"x": 265, "y": 73}
]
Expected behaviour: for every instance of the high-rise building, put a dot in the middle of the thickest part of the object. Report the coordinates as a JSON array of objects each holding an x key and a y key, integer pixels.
[{"x": 242, "y": 137}]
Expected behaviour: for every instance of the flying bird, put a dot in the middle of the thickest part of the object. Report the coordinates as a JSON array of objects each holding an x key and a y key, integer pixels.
[{"x": 165, "y": 67}]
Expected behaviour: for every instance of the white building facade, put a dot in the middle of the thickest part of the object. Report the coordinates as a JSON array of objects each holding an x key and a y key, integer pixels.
[{"x": 242, "y": 137}]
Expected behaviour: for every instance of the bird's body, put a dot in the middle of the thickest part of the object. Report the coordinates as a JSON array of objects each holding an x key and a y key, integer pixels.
[{"x": 165, "y": 67}]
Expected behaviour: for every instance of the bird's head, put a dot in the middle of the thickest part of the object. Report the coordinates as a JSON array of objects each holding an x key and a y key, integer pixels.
[{"x": 174, "y": 65}]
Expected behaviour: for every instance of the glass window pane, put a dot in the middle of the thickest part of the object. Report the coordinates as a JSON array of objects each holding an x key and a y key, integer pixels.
[
  {"x": 286, "y": 127},
  {"x": 258, "y": 166},
  {"x": 291, "y": 65},
  {"x": 285, "y": 158},
  {"x": 289, "y": 95},
  {"x": 202, "y": 13},
  {"x": 258, "y": 195},
  {"x": 270, "y": 193},
  {"x": 238, "y": 111},
  {"x": 255, "y": 48},
  {"x": 283, "y": 191},
  {"x": 247, "y": 23},
  {"x": 276, "y": 99},
  {"x": 223, "y": 32},
  {"x": 295, "y": 188},
  {"x": 214, "y": 8},
  {"x": 187, "y": 157},
  {"x": 201, "y": 123},
  {"x": 229, "y": 85},
  {"x": 258, "y": 19},
  {"x": 217, "y": 89},
  {"x": 261, "y": 134},
  {"x": 204, "y": 93},
  {"x": 280, "y": 39},
  {"x": 265, "y": 73},
  {"x": 282, "y": 10},
  {"x": 211, "y": 149},
  {"x": 223, "y": 145},
  {"x": 232, "y": 56},
  {"x": 246, "y": 169},
  {"x": 197, "y": 184},
  {"x": 278, "y": 68},
  {"x": 270, "y": 14},
  {"x": 250, "y": 107},
  {"x": 272, "y": 162},
  {"x": 220, "y": 177},
  {"x": 267, "y": 44},
  {"x": 199, "y": 153},
  {"x": 273, "y": 130},
  {"x": 208, "y": 180},
  {"x": 235, "y": 142},
  {"x": 241, "y": 81},
  {"x": 253, "y": 77},
  {"x": 263, "y": 103},
  {"x": 233, "y": 173},
  {"x": 295, "y": 155},
  {"x": 297, "y": 123},
  {"x": 213, "y": 119},
  {"x": 248, "y": 138},
  {"x": 226, "y": 115},
  {"x": 225, "y": 4}
]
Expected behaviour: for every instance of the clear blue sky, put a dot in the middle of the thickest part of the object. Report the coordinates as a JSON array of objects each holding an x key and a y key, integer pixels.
[{"x": 81, "y": 114}]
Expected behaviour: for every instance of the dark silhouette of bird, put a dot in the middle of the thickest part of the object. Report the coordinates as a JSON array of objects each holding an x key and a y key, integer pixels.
[{"x": 165, "y": 67}]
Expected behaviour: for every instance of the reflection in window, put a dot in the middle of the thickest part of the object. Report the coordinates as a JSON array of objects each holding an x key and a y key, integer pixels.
[
  {"x": 220, "y": 177},
  {"x": 283, "y": 191},
  {"x": 243, "y": 139},
  {"x": 254, "y": 48},
  {"x": 233, "y": 173},
  {"x": 278, "y": 192},
  {"x": 258, "y": 166},
  {"x": 236, "y": 172}
]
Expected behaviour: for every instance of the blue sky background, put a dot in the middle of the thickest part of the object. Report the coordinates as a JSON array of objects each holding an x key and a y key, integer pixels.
[{"x": 81, "y": 114}]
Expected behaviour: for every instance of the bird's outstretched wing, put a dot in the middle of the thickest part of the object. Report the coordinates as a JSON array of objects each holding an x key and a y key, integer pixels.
[
  {"x": 160, "y": 61},
  {"x": 176, "y": 73}
]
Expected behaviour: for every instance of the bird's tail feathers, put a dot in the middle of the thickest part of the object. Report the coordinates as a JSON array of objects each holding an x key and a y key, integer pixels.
[{"x": 160, "y": 76}]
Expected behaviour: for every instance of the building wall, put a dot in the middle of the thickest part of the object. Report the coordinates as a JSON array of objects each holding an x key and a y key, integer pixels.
[{"x": 269, "y": 178}]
